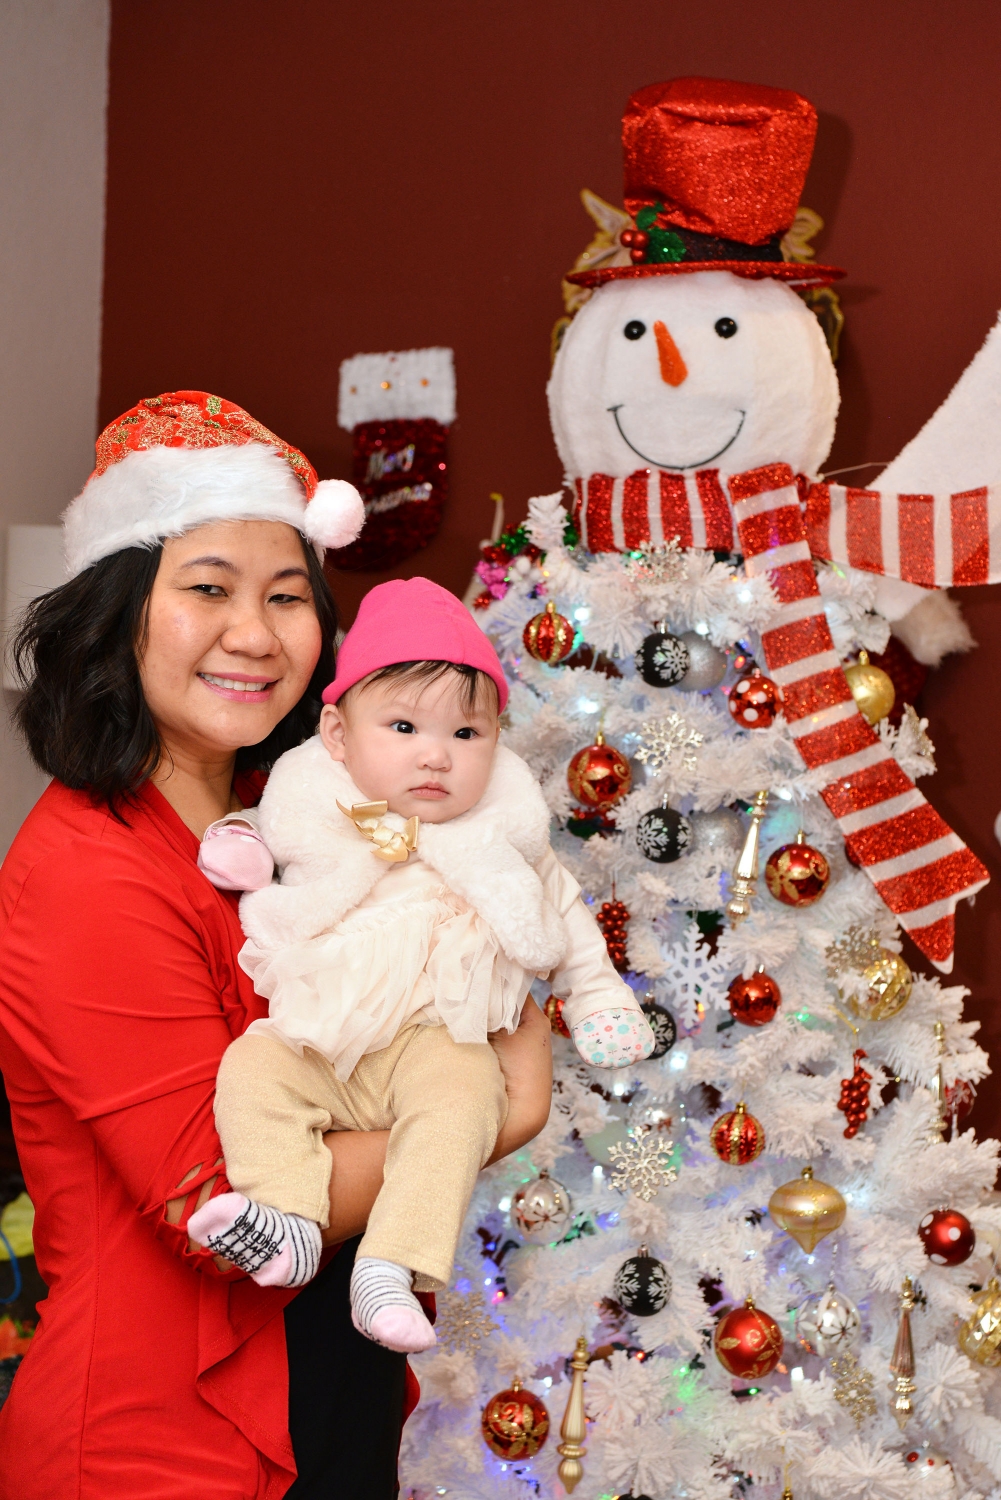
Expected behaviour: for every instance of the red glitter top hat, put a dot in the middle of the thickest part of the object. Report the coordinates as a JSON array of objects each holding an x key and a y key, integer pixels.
[{"x": 713, "y": 175}]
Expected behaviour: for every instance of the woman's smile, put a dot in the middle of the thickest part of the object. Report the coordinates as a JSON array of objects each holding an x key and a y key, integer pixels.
[{"x": 238, "y": 687}]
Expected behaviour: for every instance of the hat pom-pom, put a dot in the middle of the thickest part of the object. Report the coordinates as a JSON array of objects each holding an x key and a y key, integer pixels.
[{"x": 335, "y": 515}]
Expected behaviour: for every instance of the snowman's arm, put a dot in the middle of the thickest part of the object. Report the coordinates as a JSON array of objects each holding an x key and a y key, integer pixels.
[{"x": 932, "y": 540}]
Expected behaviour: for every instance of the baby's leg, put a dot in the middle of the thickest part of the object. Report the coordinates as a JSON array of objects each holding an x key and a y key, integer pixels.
[
  {"x": 449, "y": 1102},
  {"x": 272, "y": 1107}
]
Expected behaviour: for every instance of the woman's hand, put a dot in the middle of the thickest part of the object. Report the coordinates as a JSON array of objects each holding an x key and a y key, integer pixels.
[{"x": 526, "y": 1059}]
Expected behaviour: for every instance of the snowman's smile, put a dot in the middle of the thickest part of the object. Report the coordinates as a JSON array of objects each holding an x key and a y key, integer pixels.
[{"x": 689, "y": 463}]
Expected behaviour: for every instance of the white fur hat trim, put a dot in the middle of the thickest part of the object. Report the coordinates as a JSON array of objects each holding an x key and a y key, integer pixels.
[{"x": 162, "y": 492}]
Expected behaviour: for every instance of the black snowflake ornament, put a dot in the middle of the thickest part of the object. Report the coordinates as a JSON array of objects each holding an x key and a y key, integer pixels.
[
  {"x": 663, "y": 835},
  {"x": 664, "y": 1028},
  {"x": 662, "y": 660},
  {"x": 642, "y": 1285}
]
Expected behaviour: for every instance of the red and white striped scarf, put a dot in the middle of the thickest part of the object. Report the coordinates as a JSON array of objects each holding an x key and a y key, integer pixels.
[{"x": 918, "y": 865}]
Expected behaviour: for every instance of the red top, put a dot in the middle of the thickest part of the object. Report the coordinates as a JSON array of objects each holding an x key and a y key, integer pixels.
[{"x": 151, "y": 1375}]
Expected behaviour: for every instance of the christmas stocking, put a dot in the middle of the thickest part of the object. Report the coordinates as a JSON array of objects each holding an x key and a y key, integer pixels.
[{"x": 398, "y": 408}]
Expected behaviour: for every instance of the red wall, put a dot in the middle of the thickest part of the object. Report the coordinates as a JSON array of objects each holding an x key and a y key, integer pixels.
[{"x": 291, "y": 184}]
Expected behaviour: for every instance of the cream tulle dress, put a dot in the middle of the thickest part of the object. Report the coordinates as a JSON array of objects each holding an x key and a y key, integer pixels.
[{"x": 411, "y": 951}]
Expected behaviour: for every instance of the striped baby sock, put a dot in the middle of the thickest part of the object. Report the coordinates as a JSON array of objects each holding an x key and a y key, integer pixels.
[
  {"x": 274, "y": 1249},
  {"x": 384, "y": 1308}
]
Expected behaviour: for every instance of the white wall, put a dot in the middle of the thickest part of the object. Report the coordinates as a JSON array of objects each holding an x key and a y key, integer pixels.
[{"x": 53, "y": 96}]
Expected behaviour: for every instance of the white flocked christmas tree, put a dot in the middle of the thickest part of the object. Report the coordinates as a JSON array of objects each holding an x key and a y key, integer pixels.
[{"x": 635, "y": 1149}]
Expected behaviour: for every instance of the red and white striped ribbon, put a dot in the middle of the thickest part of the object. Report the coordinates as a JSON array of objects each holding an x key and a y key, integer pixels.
[
  {"x": 650, "y": 507},
  {"x": 935, "y": 540},
  {"x": 938, "y": 541},
  {"x": 918, "y": 865}
]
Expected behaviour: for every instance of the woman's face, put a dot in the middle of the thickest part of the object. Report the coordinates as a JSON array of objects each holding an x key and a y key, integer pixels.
[{"x": 233, "y": 636}]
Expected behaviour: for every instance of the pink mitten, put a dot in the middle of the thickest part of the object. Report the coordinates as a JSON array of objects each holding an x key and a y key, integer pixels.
[
  {"x": 613, "y": 1038},
  {"x": 235, "y": 857}
]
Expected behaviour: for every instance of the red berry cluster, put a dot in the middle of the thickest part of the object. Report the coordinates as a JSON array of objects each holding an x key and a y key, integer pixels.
[
  {"x": 854, "y": 1101},
  {"x": 612, "y": 919},
  {"x": 635, "y": 241}
]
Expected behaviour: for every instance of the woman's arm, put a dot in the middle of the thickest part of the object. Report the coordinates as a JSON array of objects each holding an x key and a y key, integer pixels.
[{"x": 526, "y": 1059}]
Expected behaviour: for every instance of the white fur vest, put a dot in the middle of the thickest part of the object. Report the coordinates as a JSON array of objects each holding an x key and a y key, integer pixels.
[{"x": 486, "y": 856}]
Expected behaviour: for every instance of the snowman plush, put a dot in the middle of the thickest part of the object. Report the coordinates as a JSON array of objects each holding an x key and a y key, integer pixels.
[{"x": 694, "y": 397}]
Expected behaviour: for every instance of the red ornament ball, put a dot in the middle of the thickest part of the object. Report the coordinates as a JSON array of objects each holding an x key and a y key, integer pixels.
[
  {"x": 748, "y": 1342},
  {"x": 515, "y": 1424},
  {"x": 548, "y": 637},
  {"x": 960, "y": 1098},
  {"x": 755, "y": 700},
  {"x": 754, "y": 1001},
  {"x": 948, "y": 1237},
  {"x": 737, "y": 1137},
  {"x": 599, "y": 775},
  {"x": 554, "y": 1014},
  {"x": 797, "y": 874}
]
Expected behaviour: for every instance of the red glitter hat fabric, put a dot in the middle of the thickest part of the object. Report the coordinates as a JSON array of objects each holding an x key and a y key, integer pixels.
[
  {"x": 193, "y": 419},
  {"x": 724, "y": 164}
]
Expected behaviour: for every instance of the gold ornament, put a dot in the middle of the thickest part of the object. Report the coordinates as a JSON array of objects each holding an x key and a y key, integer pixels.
[
  {"x": 902, "y": 1364},
  {"x": 389, "y": 844},
  {"x": 573, "y": 1429},
  {"x": 889, "y": 983},
  {"x": 744, "y": 880},
  {"x": 853, "y": 1387},
  {"x": 980, "y": 1336},
  {"x": 872, "y": 689},
  {"x": 806, "y": 1209}
]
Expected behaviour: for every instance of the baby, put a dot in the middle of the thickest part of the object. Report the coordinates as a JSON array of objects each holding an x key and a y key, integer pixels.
[{"x": 419, "y": 898}]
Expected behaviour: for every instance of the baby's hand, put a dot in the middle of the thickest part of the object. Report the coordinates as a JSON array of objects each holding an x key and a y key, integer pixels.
[
  {"x": 235, "y": 857},
  {"x": 613, "y": 1038}
]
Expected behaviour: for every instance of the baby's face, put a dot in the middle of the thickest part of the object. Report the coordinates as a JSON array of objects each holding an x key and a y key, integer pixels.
[{"x": 417, "y": 746}]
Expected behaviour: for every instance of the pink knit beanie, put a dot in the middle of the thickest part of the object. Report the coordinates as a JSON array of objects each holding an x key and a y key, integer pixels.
[{"x": 412, "y": 619}]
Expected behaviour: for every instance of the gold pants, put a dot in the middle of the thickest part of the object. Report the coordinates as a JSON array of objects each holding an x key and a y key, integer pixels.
[{"x": 443, "y": 1103}]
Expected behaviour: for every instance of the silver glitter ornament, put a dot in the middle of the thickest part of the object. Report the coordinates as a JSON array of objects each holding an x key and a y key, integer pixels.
[
  {"x": 706, "y": 665},
  {"x": 828, "y": 1323},
  {"x": 719, "y": 832},
  {"x": 541, "y": 1210}
]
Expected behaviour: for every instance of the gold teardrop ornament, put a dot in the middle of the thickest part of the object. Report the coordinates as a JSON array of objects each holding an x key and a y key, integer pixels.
[
  {"x": 807, "y": 1209},
  {"x": 889, "y": 980},
  {"x": 872, "y": 689}
]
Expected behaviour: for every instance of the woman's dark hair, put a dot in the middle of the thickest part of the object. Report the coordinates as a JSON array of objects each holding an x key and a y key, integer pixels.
[{"x": 83, "y": 713}]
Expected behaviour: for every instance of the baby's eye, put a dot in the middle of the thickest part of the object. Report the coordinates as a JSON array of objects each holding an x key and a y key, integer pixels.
[
  {"x": 403, "y": 726},
  {"x": 465, "y": 734}
]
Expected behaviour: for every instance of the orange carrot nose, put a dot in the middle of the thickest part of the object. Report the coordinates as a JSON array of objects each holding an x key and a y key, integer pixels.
[{"x": 673, "y": 369}]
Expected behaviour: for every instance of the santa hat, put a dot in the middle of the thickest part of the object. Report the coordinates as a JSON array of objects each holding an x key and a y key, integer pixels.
[
  {"x": 185, "y": 459},
  {"x": 713, "y": 176}
]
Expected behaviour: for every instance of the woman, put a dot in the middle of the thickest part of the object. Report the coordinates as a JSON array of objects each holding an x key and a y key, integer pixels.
[{"x": 188, "y": 650}]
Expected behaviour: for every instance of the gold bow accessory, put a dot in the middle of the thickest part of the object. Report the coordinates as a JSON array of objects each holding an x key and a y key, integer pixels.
[{"x": 389, "y": 845}]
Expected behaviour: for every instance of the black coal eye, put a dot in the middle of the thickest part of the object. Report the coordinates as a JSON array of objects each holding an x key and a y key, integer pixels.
[
  {"x": 635, "y": 329},
  {"x": 726, "y": 328}
]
